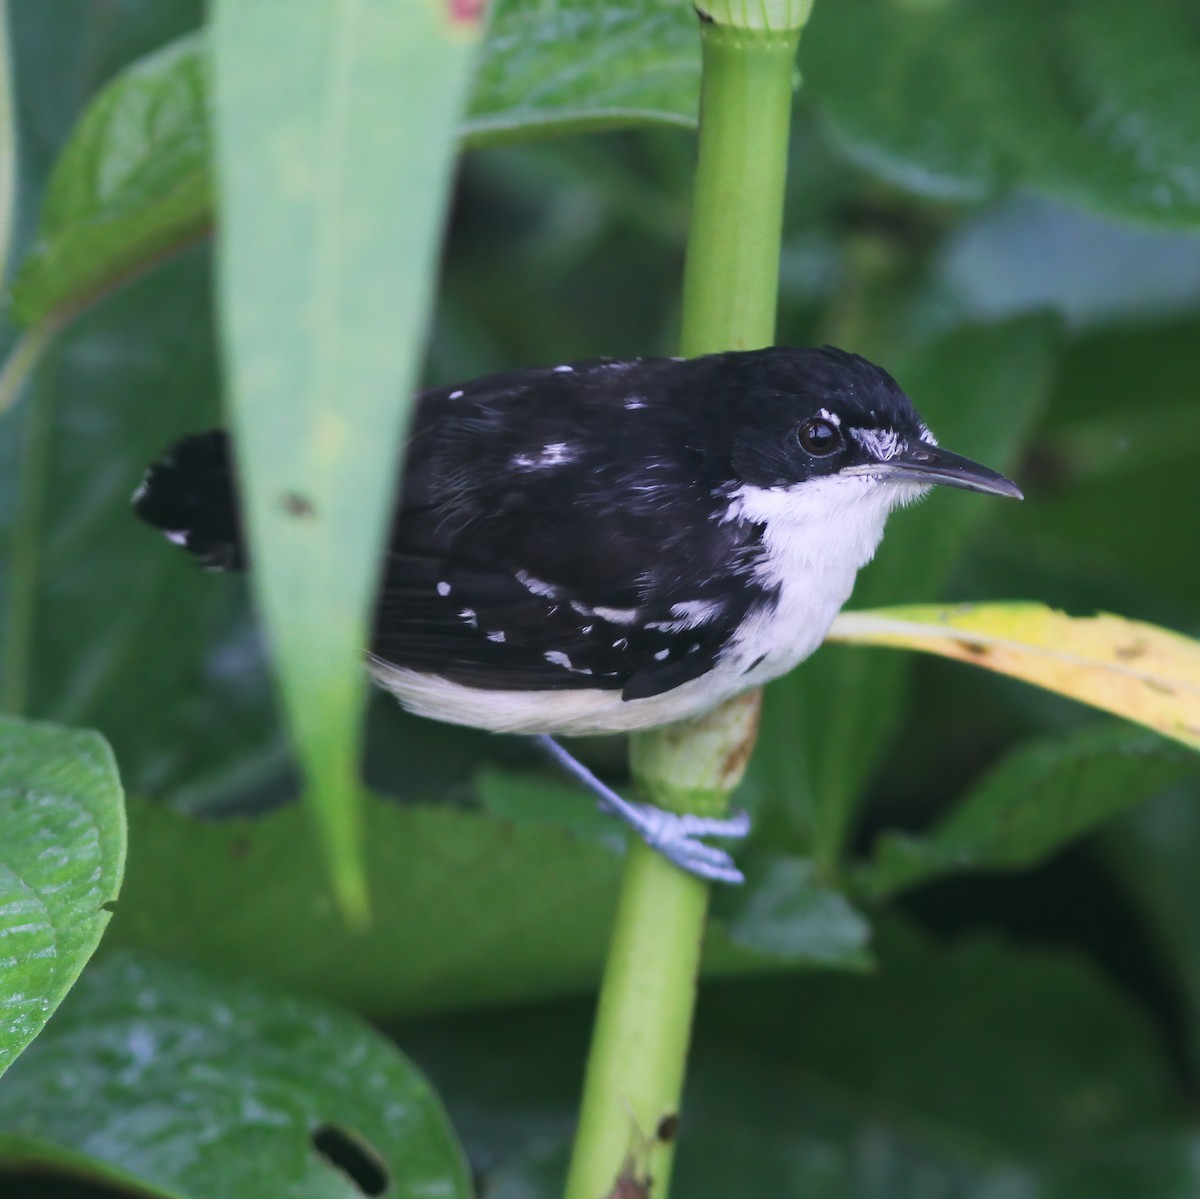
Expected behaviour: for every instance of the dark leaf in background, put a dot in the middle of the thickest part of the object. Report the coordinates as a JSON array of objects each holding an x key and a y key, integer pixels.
[
  {"x": 1040, "y": 798},
  {"x": 1154, "y": 851},
  {"x": 1113, "y": 498},
  {"x": 201, "y": 1088},
  {"x": 787, "y": 912},
  {"x": 105, "y": 624},
  {"x": 1089, "y": 102},
  {"x": 62, "y": 854}
]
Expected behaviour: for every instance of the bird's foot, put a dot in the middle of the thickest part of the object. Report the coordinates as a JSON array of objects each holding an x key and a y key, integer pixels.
[{"x": 673, "y": 834}]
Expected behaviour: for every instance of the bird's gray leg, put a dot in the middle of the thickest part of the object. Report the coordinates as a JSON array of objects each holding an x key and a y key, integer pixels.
[{"x": 670, "y": 833}]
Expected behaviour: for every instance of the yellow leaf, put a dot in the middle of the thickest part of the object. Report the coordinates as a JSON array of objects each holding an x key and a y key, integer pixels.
[{"x": 1135, "y": 670}]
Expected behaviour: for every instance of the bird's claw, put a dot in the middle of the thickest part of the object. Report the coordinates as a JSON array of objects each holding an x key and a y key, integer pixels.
[{"x": 674, "y": 835}]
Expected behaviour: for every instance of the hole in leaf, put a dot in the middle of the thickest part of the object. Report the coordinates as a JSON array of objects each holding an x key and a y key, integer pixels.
[{"x": 356, "y": 1160}]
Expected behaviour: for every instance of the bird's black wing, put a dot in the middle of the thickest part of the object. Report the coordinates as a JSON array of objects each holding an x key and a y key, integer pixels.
[
  {"x": 557, "y": 529},
  {"x": 556, "y": 532}
]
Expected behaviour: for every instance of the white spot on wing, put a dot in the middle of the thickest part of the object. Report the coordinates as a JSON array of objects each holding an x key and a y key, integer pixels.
[
  {"x": 661, "y": 655},
  {"x": 443, "y": 588},
  {"x": 456, "y": 394},
  {"x": 557, "y": 658},
  {"x": 176, "y": 536},
  {"x": 496, "y": 635},
  {"x": 616, "y": 615},
  {"x": 634, "y": 402},
  {"x": 557, "y": 453},
  {"x": 536, "y": 585},
  {"x": 468, "y": 614},
  {"x": 564, "y": 370},
  {"x": 695, "y": 612},
  {"x": 688, "y": 615}
]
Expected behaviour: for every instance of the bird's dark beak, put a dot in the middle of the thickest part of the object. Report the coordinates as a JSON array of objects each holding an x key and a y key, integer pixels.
[{"x": 923, "y": 463}]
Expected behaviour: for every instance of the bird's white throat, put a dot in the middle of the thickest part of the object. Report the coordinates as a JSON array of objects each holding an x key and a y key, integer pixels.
[{"x": 817, "y": 535}]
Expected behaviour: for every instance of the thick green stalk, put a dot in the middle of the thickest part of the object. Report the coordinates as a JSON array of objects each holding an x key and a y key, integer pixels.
[
  {"x": 732, "y": 273},
  {"x": 643, "y": 1022}
]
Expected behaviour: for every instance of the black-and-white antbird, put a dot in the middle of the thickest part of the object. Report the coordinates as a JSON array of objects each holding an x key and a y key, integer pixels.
[{"x": 614, "y": 545}]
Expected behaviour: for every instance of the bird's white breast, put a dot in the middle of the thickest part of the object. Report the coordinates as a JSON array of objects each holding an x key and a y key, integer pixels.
[{"x": 816, "y": 536}]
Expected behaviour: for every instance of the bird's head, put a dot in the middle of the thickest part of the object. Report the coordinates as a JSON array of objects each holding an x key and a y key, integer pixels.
[
  {"x": 826, "y": 438},
  {"x": 809, "y": 415}
]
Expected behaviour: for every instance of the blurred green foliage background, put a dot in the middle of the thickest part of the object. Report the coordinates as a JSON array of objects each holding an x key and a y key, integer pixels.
[{"x": 1003, "y": 208}]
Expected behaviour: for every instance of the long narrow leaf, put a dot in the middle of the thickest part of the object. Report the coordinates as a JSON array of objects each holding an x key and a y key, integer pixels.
[{"x": 334, "y": 152}]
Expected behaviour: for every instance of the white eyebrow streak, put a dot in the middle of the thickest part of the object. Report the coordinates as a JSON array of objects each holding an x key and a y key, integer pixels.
[{"x": 881, "y": 444}]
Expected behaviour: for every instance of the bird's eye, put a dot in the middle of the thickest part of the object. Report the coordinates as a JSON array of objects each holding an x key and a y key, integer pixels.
[{"x": 819, "y": 437}]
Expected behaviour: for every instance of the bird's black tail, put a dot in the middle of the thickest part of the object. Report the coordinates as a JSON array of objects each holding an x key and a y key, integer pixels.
[{"x": 190, "y": 494}]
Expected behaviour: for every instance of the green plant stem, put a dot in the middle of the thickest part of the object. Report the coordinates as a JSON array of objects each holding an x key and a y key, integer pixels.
[
  {"x": 643, "y": 1022},
  {"x": 643, "y": 1025},
  {"x": 731, "y": 279}
]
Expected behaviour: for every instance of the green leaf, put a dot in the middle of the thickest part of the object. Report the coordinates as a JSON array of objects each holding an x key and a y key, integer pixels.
[
  {"x": 1078, "y": 100},
  {"x": 132, "y": 184},
  {"x": 197, "y": 1087},
  {"x": 1040, "y": 797},
  {"x": 470, "y": 908},
  {"x": 826, "y": 725},
  {"x": 135, "y": 180},
  {"x": 334, "y": 156},
  {"x": 564, "y": 66},
  {"x": 1029, "y": 1051},
  {"x": 62, "y": 854},
  {"x": 1154, "y": 852},
  {"x": 789, "y": 913}
]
